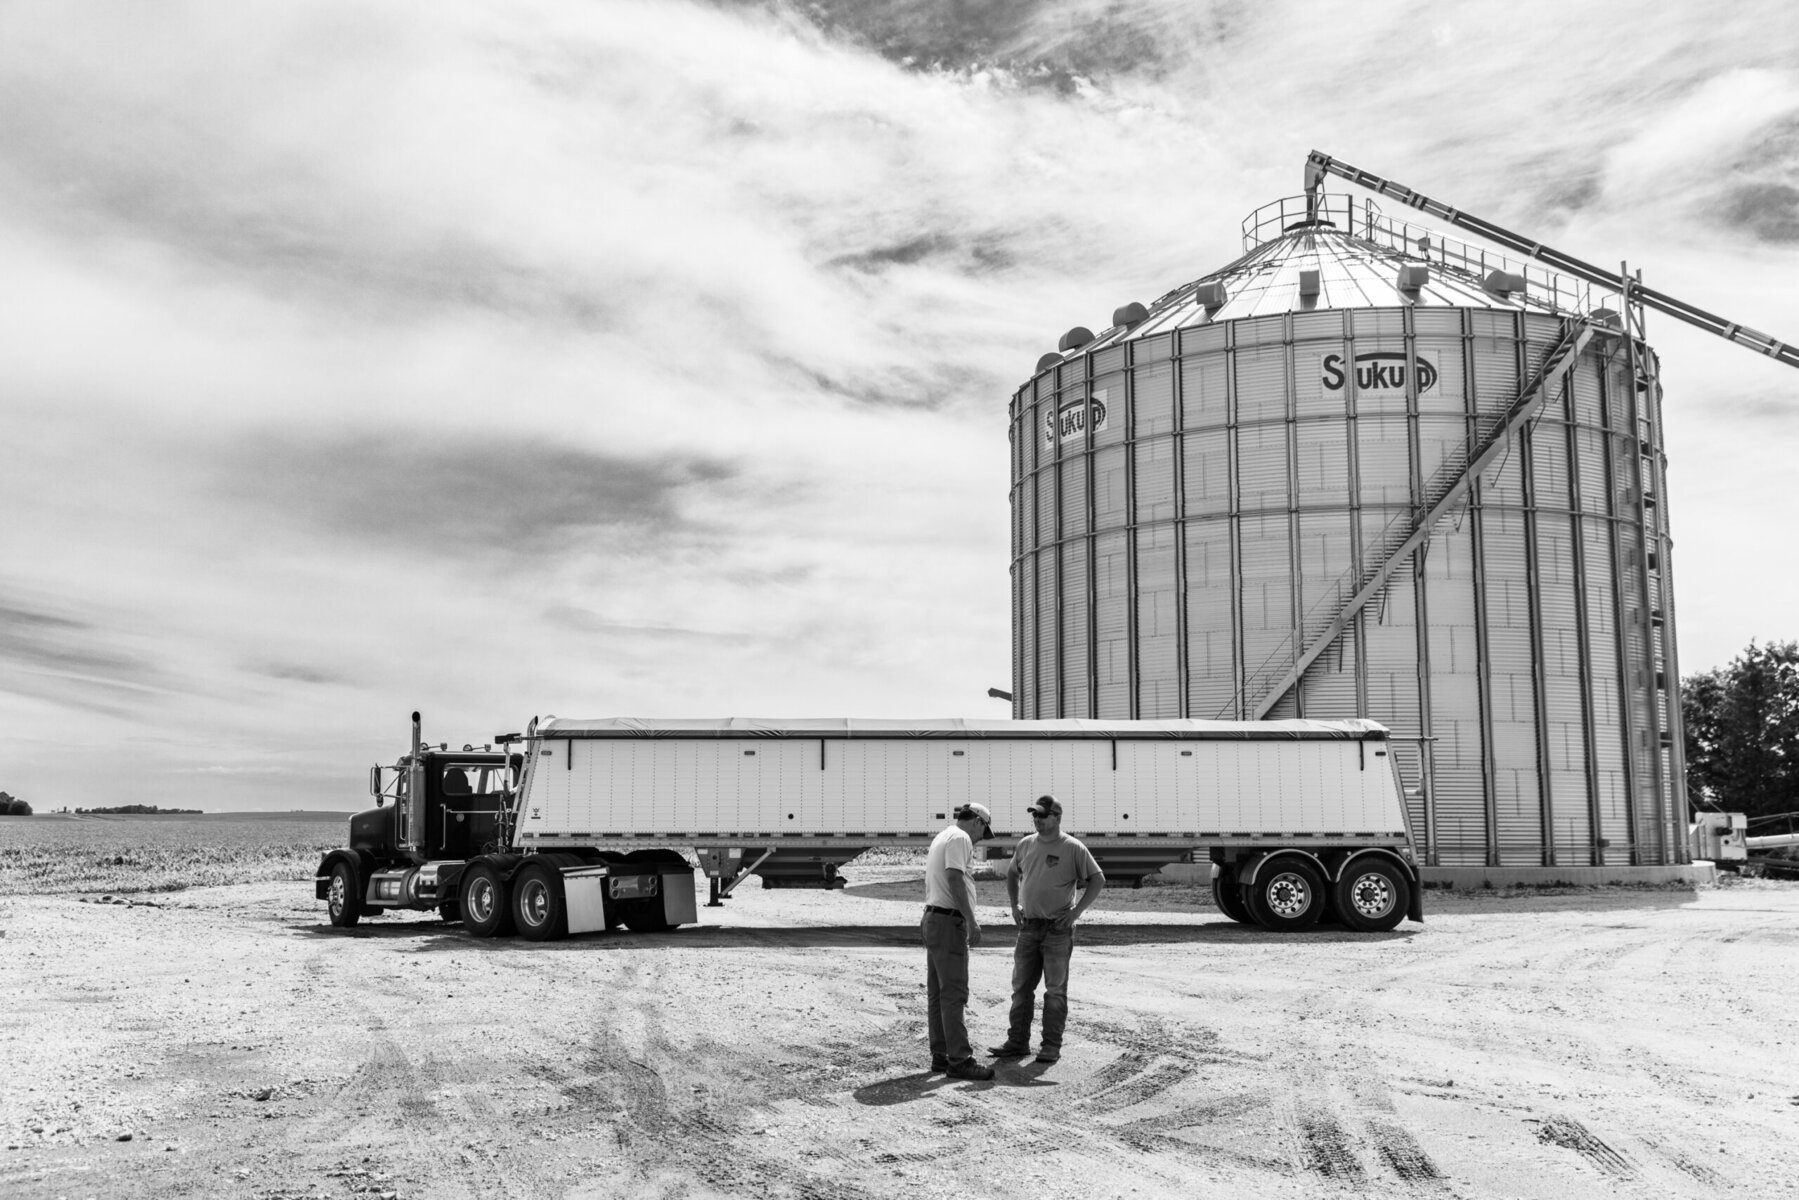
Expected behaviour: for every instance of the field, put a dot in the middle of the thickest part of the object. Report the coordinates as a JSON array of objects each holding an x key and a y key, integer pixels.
[{"x": 126, "y": 854}]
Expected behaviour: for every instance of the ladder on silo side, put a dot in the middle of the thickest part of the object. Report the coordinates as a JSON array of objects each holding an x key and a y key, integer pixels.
[{"x": 1442, "y": 492}]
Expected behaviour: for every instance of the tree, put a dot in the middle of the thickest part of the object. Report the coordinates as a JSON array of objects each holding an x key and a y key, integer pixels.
[
  {"x": 11, "y": 806},
  {"x": 1742, "y": 732}
]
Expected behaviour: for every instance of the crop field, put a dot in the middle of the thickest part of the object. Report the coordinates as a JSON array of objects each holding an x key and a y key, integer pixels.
[{"x": 123, "y": 854}]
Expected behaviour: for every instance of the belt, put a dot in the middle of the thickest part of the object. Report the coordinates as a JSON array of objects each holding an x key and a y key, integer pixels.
[{"x": 948, "y": 912}]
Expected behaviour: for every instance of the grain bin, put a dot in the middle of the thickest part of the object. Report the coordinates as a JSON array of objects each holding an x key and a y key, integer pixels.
[{"x": 1369, "y": 471}]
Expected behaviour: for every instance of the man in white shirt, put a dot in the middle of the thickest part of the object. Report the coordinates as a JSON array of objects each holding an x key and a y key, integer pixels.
[
  {"x": 1048, "y": 868},
  {"x": 950, "y": 928}
]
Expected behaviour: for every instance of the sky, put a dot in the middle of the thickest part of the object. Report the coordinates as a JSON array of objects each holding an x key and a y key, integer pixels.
[{"x": 652, "y": 358}]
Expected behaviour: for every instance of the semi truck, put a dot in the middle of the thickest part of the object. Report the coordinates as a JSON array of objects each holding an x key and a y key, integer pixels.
[{"x": 574, "y": 826}]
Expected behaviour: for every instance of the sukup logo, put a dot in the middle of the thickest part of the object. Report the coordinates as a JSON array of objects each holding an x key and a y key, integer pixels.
[
  {"x": 1072, "y": 420},
  {"x": 1379, "y": 371}
]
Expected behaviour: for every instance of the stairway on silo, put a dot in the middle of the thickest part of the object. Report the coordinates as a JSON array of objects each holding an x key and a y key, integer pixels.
[{"x": 1442, "y": 492}]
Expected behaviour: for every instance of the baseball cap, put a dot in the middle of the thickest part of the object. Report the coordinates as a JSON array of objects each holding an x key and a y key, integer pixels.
[
  {"x": 1046, "y": 806},
  {"x": 963, "y": 812}
]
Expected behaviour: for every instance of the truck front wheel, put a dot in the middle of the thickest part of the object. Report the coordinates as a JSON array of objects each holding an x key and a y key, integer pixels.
[
  {"x": 538, "y": 906},
  {"x": 485, "y": 911},
  {"x": 1287, "y": 896},
  {"x": 1372, "y": 897},
  {"x": 343, "y": 900}
]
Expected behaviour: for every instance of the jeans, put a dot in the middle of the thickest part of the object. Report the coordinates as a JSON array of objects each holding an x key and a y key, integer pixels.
[
  {"x": 946, "y": 984},
  {"x": 1041, "y": 954}
]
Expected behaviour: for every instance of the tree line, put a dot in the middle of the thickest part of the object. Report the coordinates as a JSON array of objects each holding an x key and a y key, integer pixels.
[
  {"x": 1742, "y": 733},
  {"x": 12, "y": 806}
]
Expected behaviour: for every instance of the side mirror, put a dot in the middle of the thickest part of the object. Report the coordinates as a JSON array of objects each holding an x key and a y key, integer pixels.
[{"x": 375, "y": 781}]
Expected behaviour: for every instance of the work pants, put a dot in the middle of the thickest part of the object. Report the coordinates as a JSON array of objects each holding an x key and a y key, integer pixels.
[
  {"x": 1040, "y": 955},
  {"x": 946, "y": 984}
]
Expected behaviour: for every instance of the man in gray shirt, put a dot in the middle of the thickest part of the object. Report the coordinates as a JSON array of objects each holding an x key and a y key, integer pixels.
[
  {"x": 1047, "y": 869},
  {"x": 949, "y": 928}
]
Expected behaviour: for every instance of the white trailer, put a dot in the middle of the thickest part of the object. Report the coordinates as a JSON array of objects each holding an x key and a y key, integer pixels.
[
  {"x": 1300, "y": 819},
  {"x": 590, "y": 826}
]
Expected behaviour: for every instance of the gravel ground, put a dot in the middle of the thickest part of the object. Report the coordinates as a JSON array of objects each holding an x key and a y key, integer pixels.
[{"x": 227, "y": 1042}]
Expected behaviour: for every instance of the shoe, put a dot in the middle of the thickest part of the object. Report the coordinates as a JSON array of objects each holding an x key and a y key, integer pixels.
[
  {"x": 1047, "y": 1056},
  {"x": 968, "y": 1068},
  {"x": 939, "y": 1064},
  {"x": 1008, "y": 1051}
]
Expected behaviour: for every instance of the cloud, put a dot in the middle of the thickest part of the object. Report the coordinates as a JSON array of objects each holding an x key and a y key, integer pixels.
[
  {"x": 469, "y": 496},
  {"x": 70, "y": 661}
]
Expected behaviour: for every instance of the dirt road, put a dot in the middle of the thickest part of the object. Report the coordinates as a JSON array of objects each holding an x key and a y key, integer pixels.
[{"x": 1637, "y": 1043}]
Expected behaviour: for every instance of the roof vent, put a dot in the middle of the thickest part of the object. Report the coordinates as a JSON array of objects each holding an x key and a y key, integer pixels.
[
  {"x": 1504, "y": 283},
  {"x": 1075, "y": 338},
  {"x": 1308, "y": 284},
  {"x": 1047, "y": 361},
  {"x": 1412, "y": 276},
  {"x": 1130, "y": 315},
  {"x": 1210, "y": 295}
]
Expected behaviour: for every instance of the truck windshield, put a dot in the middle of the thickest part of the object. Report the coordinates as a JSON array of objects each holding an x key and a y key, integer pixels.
[{"x": 473, "y": 780}]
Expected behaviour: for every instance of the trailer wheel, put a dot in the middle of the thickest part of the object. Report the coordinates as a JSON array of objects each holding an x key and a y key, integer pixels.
[
  {"x": 646, "y": 916},
  {"x": 343, "y": 901},
  {"x": 485, "y": 912},
  {"x": 539, "y": 909},
  {"x": 1372, "y": 897},
  {"x": 1227, "y": 894},
  {"x": 1287, "y": 896}
]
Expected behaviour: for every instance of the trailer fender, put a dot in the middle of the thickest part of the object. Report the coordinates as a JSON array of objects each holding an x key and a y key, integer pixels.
[
  {"x": 361, "y": 861},
  {"x": 1248, "y": 869}
]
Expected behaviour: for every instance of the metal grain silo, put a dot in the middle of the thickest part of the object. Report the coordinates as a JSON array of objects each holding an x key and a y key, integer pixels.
[{"x": 1367, "y": 470}]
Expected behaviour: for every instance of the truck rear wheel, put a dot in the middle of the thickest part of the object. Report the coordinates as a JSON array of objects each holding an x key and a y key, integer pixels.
[
  {"x": 539, "y": 909},
  {"x": 485, "y": 911},
  {"x": 1227, "y": 894},
  {"x": 646, "y": 915},
  {"x": 1287, "y": 896},
  {"x": 344, "y": 900},
  {"x": 1372, "y": 896}
]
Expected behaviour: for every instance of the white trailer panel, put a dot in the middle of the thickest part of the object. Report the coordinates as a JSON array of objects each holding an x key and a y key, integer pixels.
[{"x": 743, "y": 780}]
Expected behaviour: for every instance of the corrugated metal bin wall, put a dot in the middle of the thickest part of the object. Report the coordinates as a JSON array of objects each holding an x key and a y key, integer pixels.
[{"x": 1190, "y": 506}]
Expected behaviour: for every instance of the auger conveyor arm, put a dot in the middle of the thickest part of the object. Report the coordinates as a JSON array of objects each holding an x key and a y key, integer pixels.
[{"x": 1319, "y": 165}]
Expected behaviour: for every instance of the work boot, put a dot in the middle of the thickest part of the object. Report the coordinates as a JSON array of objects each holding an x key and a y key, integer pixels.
[
  {"x": 1009, "y": 1050},
  {"x": 1049, "y": 1054},
  {"x": 968, "y": 1068},
  {"x": 939, "y": 1064}
]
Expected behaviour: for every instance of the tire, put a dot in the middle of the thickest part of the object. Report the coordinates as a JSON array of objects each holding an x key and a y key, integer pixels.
[
  {"x": 343, "y": 899},
  {"x": 1372, "y": 896},
  {"x": 1287, "y": 896},
  {"x": 485, "y": 908},
  {"x": 646, "y": 915},
  {"x": 1228, "y": 896},
  {"x": 539, "y": 909}
]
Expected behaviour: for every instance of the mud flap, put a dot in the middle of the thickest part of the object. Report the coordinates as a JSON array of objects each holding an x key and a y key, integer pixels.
[{"x": 584, "y": 898}]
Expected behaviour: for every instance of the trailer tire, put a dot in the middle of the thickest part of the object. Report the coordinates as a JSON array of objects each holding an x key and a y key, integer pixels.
[
  {"x": 1287, "y": 896},
  {"x": 485, "y": 910},
  {"x": 539, "y": 908},
  {"x": 1227, "y": 894},
  {"x": 646, "y": 915},
  {"x": 1372, "y": 896},
  {"x": 343, "y": 900}
]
